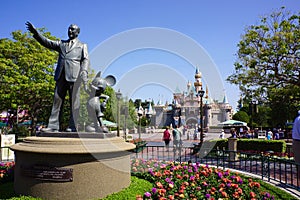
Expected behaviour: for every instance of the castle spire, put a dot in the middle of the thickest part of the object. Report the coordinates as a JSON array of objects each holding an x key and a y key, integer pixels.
[
  {"x": 225, "y": 99},
  {"x": 198, "y": 82},
  {"x": 206, "y": 92}
]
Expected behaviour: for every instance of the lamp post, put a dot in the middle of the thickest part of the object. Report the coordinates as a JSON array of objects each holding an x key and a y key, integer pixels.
[
  {"x": 125, "y": 116},
  {"x": 201, "y": 94},
  {"x": 140, "y": 113},
  {"x": 119, "y": 96},
  {"x": 253, "y": 111}
]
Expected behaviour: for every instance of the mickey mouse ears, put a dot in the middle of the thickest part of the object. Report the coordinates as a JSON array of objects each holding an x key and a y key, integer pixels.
[{"x": 111, "y": 80}]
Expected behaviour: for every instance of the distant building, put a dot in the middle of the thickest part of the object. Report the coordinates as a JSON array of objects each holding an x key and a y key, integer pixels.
[{"x": 184, "y": 109}]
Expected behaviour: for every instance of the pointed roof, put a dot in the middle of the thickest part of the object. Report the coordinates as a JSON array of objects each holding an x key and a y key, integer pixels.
[
  {"x": 177, "y": 90},
  {"x": 198, "y": 74},
  {"x": 225, "y": 99},
  {"x": 159, "y": 102},
  {"x": 150, "y": 110}
]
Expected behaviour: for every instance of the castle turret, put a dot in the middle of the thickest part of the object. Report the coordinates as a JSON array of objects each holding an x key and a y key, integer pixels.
[{"x": 198, "y": 82}]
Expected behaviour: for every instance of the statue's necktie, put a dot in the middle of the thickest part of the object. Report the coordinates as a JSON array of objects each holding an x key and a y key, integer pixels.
[{"x": 70, "y": 44}]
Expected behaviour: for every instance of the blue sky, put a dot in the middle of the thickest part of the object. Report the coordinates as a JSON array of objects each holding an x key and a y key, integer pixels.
[{"x": 198, "y": 33}]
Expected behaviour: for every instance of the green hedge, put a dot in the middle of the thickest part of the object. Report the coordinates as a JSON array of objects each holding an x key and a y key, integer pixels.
[
  {"x": 261, "y": 145},
  {"x": 253, "y": 145}
]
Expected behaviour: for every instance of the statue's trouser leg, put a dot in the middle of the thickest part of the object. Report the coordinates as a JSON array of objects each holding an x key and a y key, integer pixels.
[
  {"x": 58, "y": 102},
  {"x": 74, "y": 92}
]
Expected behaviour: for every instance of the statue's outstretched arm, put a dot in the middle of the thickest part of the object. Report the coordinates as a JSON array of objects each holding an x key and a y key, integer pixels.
[{"x": 31, "y": 28}]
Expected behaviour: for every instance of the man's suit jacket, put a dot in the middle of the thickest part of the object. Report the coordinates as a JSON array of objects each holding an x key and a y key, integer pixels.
[{"x": 72, "y": 59}]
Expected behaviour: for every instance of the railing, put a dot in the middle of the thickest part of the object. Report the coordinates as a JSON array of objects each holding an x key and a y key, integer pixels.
[
  {"x": 281, "y": 170},
  {"x": 268, "y": 167}
]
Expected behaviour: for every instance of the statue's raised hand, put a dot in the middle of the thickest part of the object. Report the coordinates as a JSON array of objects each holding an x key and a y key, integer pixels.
[{"x": 31, "y": 28}]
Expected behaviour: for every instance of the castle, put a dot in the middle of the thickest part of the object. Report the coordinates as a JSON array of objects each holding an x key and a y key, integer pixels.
[{"x": 185, "y": 108}]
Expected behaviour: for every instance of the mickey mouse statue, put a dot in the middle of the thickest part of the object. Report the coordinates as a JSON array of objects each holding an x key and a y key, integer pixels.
[{"x": 97, "y": 102}]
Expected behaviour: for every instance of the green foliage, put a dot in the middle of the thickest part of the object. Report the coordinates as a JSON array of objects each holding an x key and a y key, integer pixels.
[
  {"x": 260, "y": 118},
  {"x": 137, "y": 186},
  {"x": 140, "y": 186},
  {"x": 263, "y": 117},
  {"x": 84, "y": 96},
  {"x": 7, "y": 192},
  {"x": 283, "y": 107},
  {"x": 198, "y": 181},
  {"x": 253, "y": 145},
  {"x": 112, "y": 105},
  {"x": 241, "y": 116},
  {"x": 27, "y": 71},
  {"x": 261, "y": 145},
  {"x": 20, "y": 131},
  {"x": 221, "y": 144},
  {"x": 132, "y": 114},
  {"x": 268, "y": 58},
  {"x": 278, "y": 193}
]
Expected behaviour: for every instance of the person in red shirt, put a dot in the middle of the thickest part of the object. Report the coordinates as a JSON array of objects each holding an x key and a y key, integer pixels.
[{"x": 167, "y": 138}]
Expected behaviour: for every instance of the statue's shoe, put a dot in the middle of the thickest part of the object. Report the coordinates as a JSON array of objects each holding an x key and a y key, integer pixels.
[
  {"x": 102, "y": 129},
  {"x": 90, "y": 128},
  {"x": 71, "y": 130},
  {"x": 48, "y": 130}
]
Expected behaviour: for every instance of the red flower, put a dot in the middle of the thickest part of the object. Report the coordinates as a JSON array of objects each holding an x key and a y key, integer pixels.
[
  {"x": 252, "y": 194},
  {"x": 224, "y": 194},
  {"x": 236, "y": 195},
  {"x": 240, "y": 191},
  {"x": 159, "y": 185}
]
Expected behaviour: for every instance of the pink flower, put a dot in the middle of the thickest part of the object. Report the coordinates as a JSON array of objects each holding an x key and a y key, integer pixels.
[{"x": 147, "y": 194}]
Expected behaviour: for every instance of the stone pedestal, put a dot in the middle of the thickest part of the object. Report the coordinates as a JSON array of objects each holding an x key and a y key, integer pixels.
[
  {"x": 71, "y": 167},
  {"x": 232, "y": 147}
]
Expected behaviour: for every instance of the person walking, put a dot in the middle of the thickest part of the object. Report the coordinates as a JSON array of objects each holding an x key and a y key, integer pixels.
[
  {"x": 167, "y": 137},
  {"x": 71, "y": 70},
  {"x": 176, "y": 138},
  {"x": 296, "y": 141},
  {"x": 222, "y": 135}
]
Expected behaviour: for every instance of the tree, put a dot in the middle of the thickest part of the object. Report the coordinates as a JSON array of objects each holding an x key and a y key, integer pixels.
[
  {"x": 111, "y": 110},
  {"x": 268, "y": 57},
  {"x": 132, "y": 114},
  {"x": 241, "y": 116},
  {"x": 27, "y": 71}
]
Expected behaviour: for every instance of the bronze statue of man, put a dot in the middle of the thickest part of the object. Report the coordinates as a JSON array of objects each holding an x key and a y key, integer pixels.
[{"x": 72, "y": 69}]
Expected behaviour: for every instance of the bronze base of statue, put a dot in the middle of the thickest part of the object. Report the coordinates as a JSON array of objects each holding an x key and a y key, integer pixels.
[{"x": 64, "y": 165}]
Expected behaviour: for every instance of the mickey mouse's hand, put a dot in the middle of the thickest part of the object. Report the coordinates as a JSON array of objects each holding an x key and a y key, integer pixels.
[{"x": 84, "y": 76}]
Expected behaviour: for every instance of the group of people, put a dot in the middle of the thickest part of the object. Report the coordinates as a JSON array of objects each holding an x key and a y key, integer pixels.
[{"x": 176, "y": 135}]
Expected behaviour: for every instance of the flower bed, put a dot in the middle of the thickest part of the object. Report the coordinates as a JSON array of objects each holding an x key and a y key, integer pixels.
[
  {"x": 195, "y": 181},
  {"x": 179, "y": 181},
  {"x": 6, "y": 171}
]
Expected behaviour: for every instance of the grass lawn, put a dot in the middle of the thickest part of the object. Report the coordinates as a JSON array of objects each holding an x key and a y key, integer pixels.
[{"x": 137, "y": 186}]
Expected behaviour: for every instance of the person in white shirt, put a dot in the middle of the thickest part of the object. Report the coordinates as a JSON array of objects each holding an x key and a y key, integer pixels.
[
  {"x": 222, "y": 135},
  {"x": 296, "y": 141}
]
